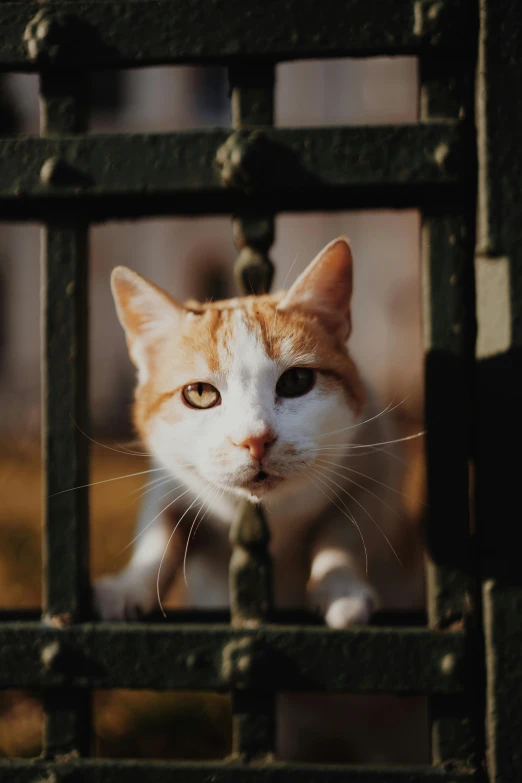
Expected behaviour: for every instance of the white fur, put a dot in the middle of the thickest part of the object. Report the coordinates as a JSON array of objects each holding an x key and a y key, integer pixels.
[{"x": 210, "y": 440}]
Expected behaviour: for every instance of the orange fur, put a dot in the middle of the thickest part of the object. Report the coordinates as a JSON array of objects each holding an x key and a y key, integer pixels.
[{"x": 207, "y": 330}]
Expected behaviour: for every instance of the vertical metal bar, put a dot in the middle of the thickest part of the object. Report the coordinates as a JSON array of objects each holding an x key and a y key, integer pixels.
[
  {"x": 448, "y": 236},
  {"x": 64, "y": 411},
  {"x": 498, "y": 429},
  {"x": 252, "y": 89},
  {"x": 251, "y": 605},
  {"x": 250, "y": 567}
]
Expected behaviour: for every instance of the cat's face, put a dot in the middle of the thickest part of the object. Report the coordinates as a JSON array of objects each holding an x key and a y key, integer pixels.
[{"x": 242, "y": 392}]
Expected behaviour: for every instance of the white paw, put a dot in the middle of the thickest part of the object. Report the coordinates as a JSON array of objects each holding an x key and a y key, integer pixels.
[
  {"x": 125, "y": 596},
  {"x": 351, "y": 609}
]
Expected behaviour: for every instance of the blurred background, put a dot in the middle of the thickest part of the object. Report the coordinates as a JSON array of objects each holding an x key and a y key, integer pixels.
[{"x": 188, "y": 257}]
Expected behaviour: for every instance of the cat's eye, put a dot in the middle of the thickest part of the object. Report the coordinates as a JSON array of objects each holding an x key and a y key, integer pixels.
[
  {"x": 201, "y": 395},
  {"x": 295, "y": 382}
]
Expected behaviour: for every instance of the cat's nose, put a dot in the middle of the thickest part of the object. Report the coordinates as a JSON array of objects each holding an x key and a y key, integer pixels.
[{"x": 258, "y": 444}]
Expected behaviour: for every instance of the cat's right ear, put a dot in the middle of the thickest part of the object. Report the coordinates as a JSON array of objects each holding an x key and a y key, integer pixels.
[
  {"x": 325, "y": 287},
  {"x": 146, "y": 313}
]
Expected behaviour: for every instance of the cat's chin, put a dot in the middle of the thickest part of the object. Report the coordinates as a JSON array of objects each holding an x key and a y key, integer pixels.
[{"x": 259, "y": 486}]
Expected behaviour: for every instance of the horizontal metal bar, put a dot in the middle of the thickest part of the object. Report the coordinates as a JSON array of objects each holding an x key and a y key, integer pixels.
[
  {"x": 131, "y": 771},
  {"x": 221, "y": 171},
  {"x": 396, "y": 617},
  {"x": 207, "y": 657},
  {"x": 103, "y": 34}
]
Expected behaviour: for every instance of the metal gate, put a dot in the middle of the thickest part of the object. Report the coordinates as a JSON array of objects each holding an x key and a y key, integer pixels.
[{"x": 468, "y": 659}]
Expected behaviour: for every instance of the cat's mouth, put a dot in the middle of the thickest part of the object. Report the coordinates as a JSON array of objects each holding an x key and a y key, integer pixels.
[{"x": 261, "y": 482}]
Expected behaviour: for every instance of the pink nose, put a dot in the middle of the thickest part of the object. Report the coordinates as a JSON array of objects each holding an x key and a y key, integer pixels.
[{"x": 257, "y": 445}]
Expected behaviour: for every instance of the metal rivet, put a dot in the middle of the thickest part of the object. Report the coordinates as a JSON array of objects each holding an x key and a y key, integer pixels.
[
  {"x": 236, "y": 155},
  {"x": 441, "y": 154},
  {"x": 51, "y": 34},
  {"x": 50, "y": 654},
  {"x": 238, "y": 661},
  {"x": 49, "y": 778},
  {"x": 50, "y": 171},
  {"x": 32, "y": 49},
  {"x": 43, "y": 29},
  {"x": 435, "y": 10},
  {"x": 244, "y": 663},
  {"x": 448, "y": 664}
]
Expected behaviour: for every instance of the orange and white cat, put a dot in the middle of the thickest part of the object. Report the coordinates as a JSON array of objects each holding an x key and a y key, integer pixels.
[{"x": 258, "y": 397}]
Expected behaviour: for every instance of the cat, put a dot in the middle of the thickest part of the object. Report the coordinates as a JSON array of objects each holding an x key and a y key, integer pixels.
[{"x": 258, "y": 397}]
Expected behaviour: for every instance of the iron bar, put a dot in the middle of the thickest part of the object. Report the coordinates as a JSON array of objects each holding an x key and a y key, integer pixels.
[{"x": 65, "y": 410}]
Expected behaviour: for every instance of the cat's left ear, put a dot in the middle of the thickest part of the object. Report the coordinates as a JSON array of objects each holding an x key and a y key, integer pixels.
[
  {"x": 146, "y": 313},
  {"x": 325, "y": 287}
]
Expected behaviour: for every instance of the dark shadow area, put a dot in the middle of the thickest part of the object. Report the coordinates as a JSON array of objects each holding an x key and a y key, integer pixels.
[{"x": 497, "y": 437}]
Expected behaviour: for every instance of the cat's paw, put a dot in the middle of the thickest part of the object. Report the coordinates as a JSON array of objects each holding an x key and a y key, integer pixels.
[
  {"x": 351, "y": 609},
  {"x": 123, "y": 597}
]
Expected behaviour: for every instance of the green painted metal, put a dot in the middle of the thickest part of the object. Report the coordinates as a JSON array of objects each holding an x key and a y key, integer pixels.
[
  {"x": 65, "y": 358},
  {"x": 64, "y": 108},
  {"x": 449, "y": 296},
  {"x": 251, "y": 599},
  {"x": 171, "y": 656},
  {"x": 253, "y": 238},
  {"x": 252, "y": 91},
  {"x": 498, "y": 423},
  {"x": 253, "y": 171},
  {"x": 251, "y": 589},
  {"x": 103, "y": 34},
  {"x": 251, "y": 604},
  {"x": 97, "y": 771},
  {"x": 448, "y": 249},
  {"x": 214, "y": 171},
  {"x": 64, "y": 397}
]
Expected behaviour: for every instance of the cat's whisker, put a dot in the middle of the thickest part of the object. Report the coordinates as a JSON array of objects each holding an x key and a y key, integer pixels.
[
  {"x": 368, "y": 491},
  {"x": 157, "y": 515},
  {"x": 340, "y": 447},
  {"x": 206, "y": 512},
  {"x": 336, "y": 451},
  {"x": 110, "y": 448},
  {"x": 167, "y": 546},
  {"x": 202, "y": 504},
  {"x": 359, "y": 473},
  {"x": 149, "y": 485},
  {"x": 275, "y": 309},
  {"x": 213, "y": 493},
  {"x": 367, "y": 445},
  {"x": 372, "y": 449},
  {"x": 381, "y": 531},
  {"x": 169, "y": 492},
  {"x": 126, "y": 452},
  {"x": 388, "y": 454},
  {"x": 388, "y": 409},
  {"x": 346, "y": 513},
  {"x": 107, "y": 481},
  {"x": 362, "y": 486}
]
